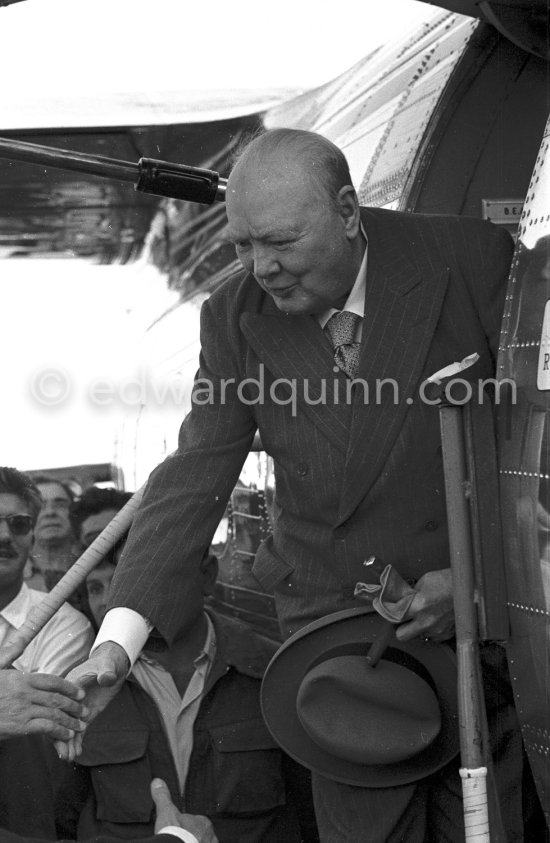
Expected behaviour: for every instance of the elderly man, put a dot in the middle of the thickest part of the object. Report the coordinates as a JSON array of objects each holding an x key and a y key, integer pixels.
[
  {"x": 55, "y": 544},
  {"x": 322, "y": 345},
  {"x": 54, "y": 536}
]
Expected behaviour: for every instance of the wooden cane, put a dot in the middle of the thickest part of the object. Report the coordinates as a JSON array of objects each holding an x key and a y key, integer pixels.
[
  {"x": 77, "y": 573},
  {"x": 473, "y": 770},
  {"x": 482, "y": 818}
]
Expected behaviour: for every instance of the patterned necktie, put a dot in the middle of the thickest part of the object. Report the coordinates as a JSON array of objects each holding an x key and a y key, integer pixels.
[{"x": 341, "y": 329}]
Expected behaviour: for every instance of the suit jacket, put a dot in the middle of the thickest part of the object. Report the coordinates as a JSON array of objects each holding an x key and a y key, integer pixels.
[{"x": 352, "y": 478}]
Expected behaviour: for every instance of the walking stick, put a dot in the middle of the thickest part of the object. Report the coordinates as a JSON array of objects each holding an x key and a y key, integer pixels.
[
  {"x": 77, "y": 573},
  {"x": 482, "y": 824}
]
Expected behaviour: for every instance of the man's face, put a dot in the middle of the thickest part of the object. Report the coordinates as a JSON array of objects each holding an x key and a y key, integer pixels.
[
  {"x": 14, "y": 549},
  {"x": 53, "y": 524},
  {"x": 97, "y": 586},
  {"x": 94, "y": 524},
  {"x": 293, "y": 239}
]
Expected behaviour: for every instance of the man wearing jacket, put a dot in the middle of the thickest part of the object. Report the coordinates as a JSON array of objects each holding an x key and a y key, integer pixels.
[
  {"x": 190, "y": 715},
  {"x": 354, "y": 438},
  {"x": 30, "y": 770}
]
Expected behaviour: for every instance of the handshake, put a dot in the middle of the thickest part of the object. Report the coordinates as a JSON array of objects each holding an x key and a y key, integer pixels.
[{"x": 39, "y": 703}]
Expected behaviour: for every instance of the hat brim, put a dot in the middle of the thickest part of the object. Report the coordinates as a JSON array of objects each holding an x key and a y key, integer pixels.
[{"x": 352, "y": 631}]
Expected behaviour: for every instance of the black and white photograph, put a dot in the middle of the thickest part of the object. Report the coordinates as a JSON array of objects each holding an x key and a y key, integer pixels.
[{"x": 275, "y": 475}]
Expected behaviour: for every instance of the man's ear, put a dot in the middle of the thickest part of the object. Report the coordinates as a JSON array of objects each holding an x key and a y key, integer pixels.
[
  {"x": 349, "y": 210},
  {"x": 209, "y": 571}
]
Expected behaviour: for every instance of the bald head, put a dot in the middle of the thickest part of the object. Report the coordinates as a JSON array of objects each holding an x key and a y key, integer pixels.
[
  {"x": 294, "y": 218},
  {"x": 287, "y": 151}
]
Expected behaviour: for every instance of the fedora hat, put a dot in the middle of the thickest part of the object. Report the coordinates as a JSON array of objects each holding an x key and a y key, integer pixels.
[{"x": 380, "y": 726}]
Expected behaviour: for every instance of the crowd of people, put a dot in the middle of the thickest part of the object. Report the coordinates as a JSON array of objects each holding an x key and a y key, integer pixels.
[{"x": 177, "y": 708}]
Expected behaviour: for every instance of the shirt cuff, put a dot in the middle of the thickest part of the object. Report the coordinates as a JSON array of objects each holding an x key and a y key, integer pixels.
[
  {"x": 124, "y": 627},
  {"x": 184, "y": 835}
]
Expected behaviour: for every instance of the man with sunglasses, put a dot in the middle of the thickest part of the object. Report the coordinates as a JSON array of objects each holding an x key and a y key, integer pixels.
[
  {"x": 65, "y": 640},
  {"x": 36, "y": 787}
]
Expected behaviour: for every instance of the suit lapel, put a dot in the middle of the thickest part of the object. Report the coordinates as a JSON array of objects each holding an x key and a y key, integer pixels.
[
  {"x": 295, "y": 349},
  {"x": 402, "y": 305},
  {"x": 404, "y": 294}
]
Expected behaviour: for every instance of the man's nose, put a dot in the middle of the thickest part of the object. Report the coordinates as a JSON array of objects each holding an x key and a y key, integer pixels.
[
  {"x": 49, "y": 507},
  {"x": 265, "y": 262},
  {"x": 5, "y": 532}
]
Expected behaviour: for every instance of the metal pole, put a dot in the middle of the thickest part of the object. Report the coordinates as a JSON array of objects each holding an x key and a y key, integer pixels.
[
  {"x": 149, "y": 175},
  {"x": 81, "y": 162}
]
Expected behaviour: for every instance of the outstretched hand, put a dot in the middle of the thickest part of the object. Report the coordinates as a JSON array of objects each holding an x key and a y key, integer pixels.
[
  {"x": 101, "y": 677},
  {"x": 37, "y": 703},
  {"x": 168, "y": 814},
  {"x": 430, "y": 614}
]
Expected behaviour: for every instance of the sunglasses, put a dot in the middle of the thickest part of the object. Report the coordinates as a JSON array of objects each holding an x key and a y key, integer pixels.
[{"x": 19, "y": 525}]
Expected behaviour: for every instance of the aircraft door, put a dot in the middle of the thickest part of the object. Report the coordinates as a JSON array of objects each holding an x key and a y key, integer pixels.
[{"x": 524, "y": 465}]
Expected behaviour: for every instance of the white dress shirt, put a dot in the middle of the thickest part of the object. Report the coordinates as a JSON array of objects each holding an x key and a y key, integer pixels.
[
  {"x": 63, "y": 642},
  {"x": 184, "y": 835},
  {"x": 355, "y": 302}
]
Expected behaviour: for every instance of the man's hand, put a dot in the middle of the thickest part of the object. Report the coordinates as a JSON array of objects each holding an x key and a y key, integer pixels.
[
  {"x": 101, "y": 676},
  {"x": 36, "y": 703},
  {"x": 168, "y": 814},
  {"x": 430, "y": 614}
]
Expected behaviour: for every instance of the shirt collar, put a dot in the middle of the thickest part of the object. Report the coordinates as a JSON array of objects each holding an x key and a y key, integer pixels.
[
  {"x": 207, "y": 653},
  {"x": 15, "y": 613},
  {"x": 355, "y": 302}
]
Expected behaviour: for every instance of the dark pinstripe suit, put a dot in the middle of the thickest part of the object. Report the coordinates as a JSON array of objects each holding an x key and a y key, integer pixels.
[{"x": 351, "y": 480}]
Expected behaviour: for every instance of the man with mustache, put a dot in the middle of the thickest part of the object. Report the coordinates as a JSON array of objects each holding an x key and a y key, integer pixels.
[
  {"x": 64, "y": 640},
  {"x": 30, "y": 771}
]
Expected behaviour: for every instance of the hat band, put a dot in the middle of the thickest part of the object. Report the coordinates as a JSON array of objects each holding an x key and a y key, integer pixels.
[{"x": 391, "y": 654}]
